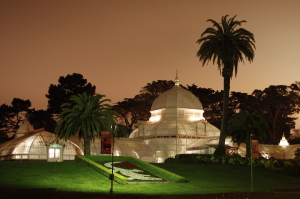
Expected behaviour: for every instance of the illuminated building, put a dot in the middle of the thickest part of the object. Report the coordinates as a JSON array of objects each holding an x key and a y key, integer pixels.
[
  {"x": 177, "y": 126},
  {"x": 30, "y": 144}
]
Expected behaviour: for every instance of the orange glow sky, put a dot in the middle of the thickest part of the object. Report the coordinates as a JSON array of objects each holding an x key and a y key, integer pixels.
[{"x": 121, "y": 45}]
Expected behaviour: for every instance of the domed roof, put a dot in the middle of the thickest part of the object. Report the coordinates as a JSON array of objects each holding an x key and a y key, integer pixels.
[
  {"x": 177, "y": 97},
  {"x": 33, "y": 145}
]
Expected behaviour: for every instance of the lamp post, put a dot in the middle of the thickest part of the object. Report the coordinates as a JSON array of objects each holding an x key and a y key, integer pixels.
[
  {"x": 251, "y": 164},
  {"x": 111, "y": 177},
  {"x": 283, "y": 143}
]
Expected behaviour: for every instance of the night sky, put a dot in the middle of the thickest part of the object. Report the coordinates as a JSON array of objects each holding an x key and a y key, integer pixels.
[{"x": 121, "y": 45}]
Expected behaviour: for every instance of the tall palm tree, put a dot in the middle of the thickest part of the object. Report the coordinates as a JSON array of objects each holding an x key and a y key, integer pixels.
[
  {"x": 227, "y": 45},
  {"x": 244, "y": 125},
  {"x": 84, "y": 116}
]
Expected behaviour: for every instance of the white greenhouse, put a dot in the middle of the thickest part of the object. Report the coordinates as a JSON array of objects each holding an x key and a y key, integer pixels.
[
  {"x": 177, "y": 126},
  {"x": 30, "y": 144}
]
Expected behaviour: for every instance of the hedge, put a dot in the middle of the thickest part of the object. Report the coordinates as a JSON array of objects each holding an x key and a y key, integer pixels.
[{"x": 289, "y": 167}]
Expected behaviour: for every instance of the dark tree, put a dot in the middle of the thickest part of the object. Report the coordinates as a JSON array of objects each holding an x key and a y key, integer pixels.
[
  {"x": 241, "y": 101},
  {"x": 227, "y": 45},
  {"x": 12, "y": 116},
  {"x": 42, "y": 119},
  {"x": 3, "y": 135},
  {"x": 154, "y": 89},
  {"x": 211, "y": 101},
  {"x": 131, "y": 110},
  {"x": 122, "y": 131},
  {"x": 278, "y": 104},
  {"x": 244, "y": 125},
  {"x": 67, "y": 86}
]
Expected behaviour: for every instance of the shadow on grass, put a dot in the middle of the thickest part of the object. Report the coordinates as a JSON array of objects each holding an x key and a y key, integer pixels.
[{"x": 51, "y": 193}]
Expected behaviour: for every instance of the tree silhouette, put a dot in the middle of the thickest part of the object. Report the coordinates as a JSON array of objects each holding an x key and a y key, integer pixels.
[
  {"x": 244, "y": 125},
  {"x": 67, "y": 86},
  {"x": 85, "y": 116},
  {"x": 226, "y": 45}
]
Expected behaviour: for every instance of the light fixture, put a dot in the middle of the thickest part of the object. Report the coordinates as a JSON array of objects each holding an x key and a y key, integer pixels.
[
  {"x": 154, "y": 118},
  {"x": 283, "y": 142}
]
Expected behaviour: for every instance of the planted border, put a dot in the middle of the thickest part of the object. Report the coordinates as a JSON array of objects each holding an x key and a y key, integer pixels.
[
  {"x": 101, "y": 169},
  {"x": 158, "y": 171},
  {"x": 172, "y": 177},
  {"x": 288, "y": 167}
]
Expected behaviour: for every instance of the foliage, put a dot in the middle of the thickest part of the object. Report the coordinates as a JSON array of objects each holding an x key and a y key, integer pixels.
[
  {"x": 85, "y": 116},
  {"x": 211, "y": 101},
  {"x": 67, "y": 86},
  {"x": 227, "y": 45},
  {"x": 245, "y": 126},
  {"x": 288, "y": 167},
  {"x": 11, "y": 116},
  {"x": 3, "y": 134},
  {"x": 294, "y": 136},
  {"x": 42, "y": 119},
  {"x": 131, "y": 110},
  {"x": 154, "y": 89},
  {"x": 242, "y": 101},
  {"x": 122, "y": 131},
  {"x": 278, "y": 104}
]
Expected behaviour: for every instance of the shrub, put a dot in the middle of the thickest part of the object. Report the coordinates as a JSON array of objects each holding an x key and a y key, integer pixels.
[
  {"x": 234, "y": 161},
  {"x": 289, "y": 167},
  {"x": 244, "y": 161}
]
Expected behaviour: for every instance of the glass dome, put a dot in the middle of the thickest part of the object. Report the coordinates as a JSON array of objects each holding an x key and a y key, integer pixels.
[
  {"x": 176, "y": 123},
  {"x": 176, "y": 97},
  {"x": 34, "y": 146}
]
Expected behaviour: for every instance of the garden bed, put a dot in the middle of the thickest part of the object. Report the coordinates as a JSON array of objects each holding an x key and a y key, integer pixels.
[{"x": 132, "y": 172}]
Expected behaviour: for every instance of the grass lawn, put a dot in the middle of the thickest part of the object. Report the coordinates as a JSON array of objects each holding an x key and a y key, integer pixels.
[{"x": 76, "y": 180}]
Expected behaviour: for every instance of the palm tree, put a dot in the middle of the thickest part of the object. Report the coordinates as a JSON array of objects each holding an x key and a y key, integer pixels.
[
  {"x": 84, "y": 116},
  {"x": 227, "y": 45},
  {"x": 245, "y": 125}
]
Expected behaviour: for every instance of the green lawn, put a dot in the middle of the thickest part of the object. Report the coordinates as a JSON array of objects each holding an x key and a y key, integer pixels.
[{"x": 76, "y": 180}]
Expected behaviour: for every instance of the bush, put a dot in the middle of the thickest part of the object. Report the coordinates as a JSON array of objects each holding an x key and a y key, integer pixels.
[
  {"x": 234, "y": 161},
  {"x": 170, "y": 160},
  {"x": 289, "y": 167}
]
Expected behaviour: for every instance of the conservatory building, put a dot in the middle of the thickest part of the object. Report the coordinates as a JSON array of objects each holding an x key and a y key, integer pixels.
[
  {"x": 31, "y": 144},
  {"x": 177, "y": 126}
]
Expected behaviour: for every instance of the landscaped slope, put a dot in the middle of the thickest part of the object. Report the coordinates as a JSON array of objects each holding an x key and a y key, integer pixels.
[{"x": 130, "y": 167}]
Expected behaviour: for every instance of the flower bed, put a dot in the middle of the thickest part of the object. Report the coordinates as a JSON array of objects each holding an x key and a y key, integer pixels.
[{"x": 133, "y": 173}]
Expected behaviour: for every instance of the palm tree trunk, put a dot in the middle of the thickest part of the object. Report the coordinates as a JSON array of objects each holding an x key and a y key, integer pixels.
[
  {"x": 87, "y": 146},
  {"x": 221, "y": 147}
]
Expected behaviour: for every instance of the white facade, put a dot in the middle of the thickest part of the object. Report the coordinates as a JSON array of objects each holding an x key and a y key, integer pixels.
[
  {"x": 176, "y": 125},
  {"x": 30, "y": 144}
]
